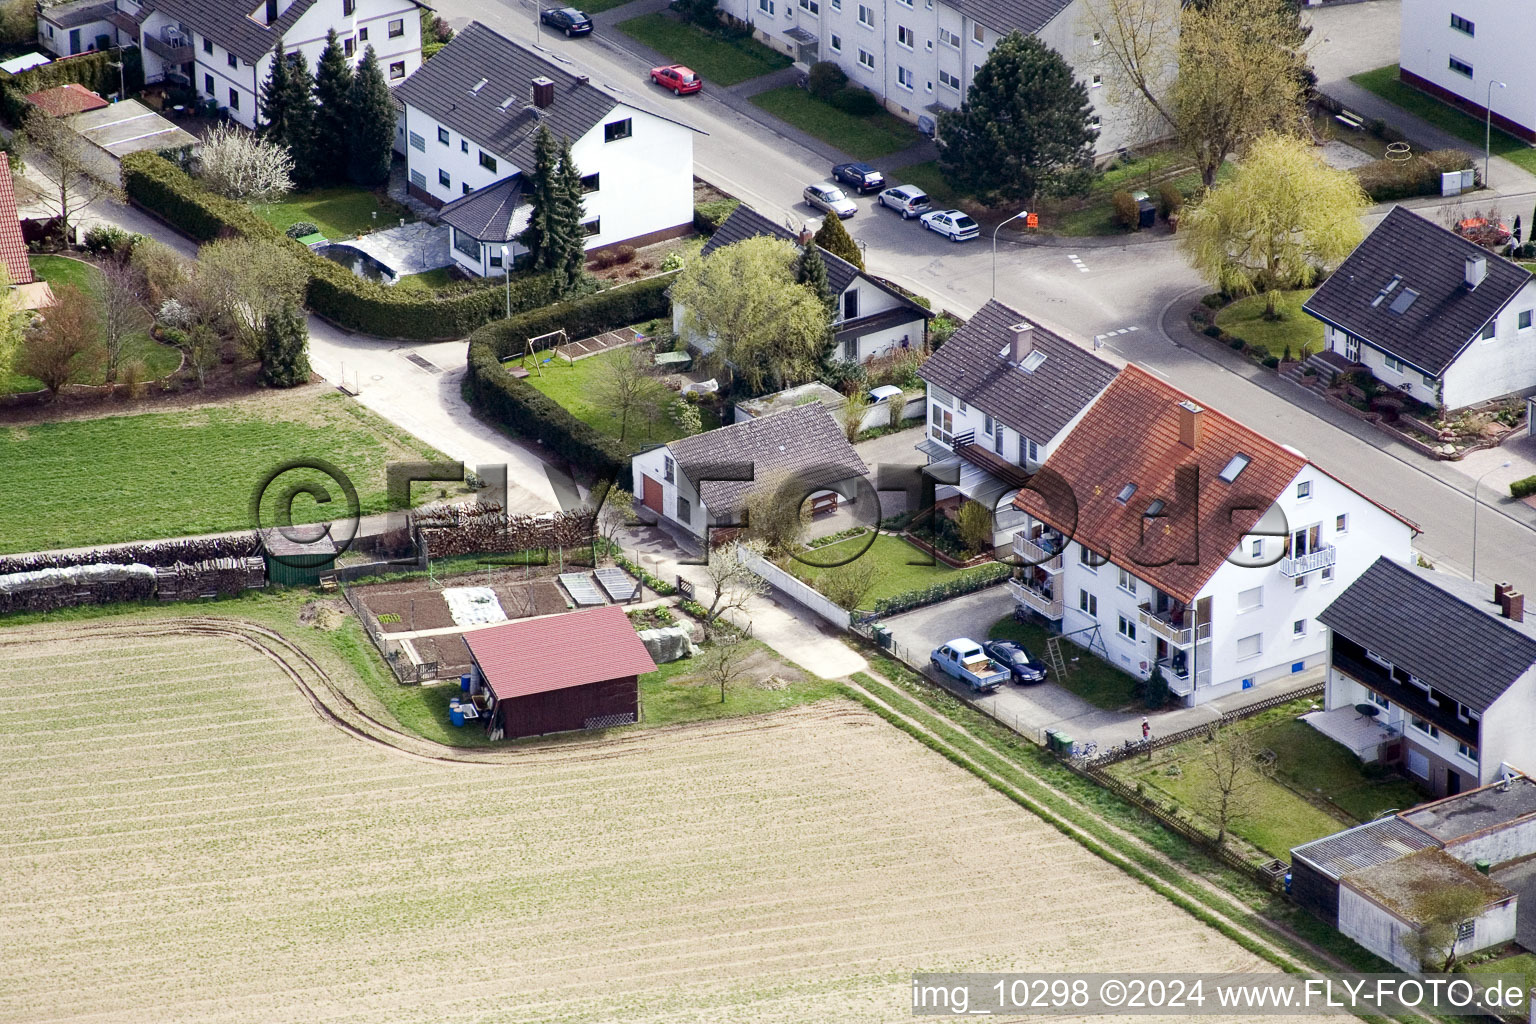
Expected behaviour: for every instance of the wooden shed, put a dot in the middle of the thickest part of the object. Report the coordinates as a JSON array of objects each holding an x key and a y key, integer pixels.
[{"x": 559, "y": 673}]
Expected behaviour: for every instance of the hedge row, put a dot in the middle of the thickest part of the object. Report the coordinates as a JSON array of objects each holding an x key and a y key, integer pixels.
[
  {"x": 966, "y": 582},
  {"x": 1419, "y": 175},
  {"x": 519, "y": 405},
  {"x": 1523, "y": 488},
  {"x": 92, "y": 70},
  {"x": 334, "y": 292}
]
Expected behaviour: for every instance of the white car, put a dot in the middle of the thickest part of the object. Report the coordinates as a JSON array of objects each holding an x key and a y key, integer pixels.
[
  {"x": 907, "y": 200},
  {"x": 953, "y": 224},
  {"x": 828, "y": 198}
]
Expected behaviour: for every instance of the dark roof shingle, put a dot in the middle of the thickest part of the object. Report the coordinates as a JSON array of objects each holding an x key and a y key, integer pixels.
[
  {"x": 486, "y": 214},
  {"x": 1446, "y": 631},
  {"x": 1004, "y": 16},
  {"x": 1430, "y": 261},
  {"x": 1037, "y": 404},
  {"x": 228, "y": 23}
]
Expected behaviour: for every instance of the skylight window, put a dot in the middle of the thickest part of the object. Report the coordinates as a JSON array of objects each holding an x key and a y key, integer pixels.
[
  {"x": 1387, "y": 289},
  {"x": 479, "y": 85},
  {"x": 508, "y": 102},
  {"x": 1403, "y": 301},
  {"x": 1156, "y": 508},
  {"x": 1125, "y": 493},
  {"x": 1032, "y": 361},
  {"x": 1238, "y": 463}
]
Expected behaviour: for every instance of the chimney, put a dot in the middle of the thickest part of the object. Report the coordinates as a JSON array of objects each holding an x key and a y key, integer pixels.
[
  {"x": 1512, "y": 606},
  {"x": 1477, "y": 269},
  {"x": 807, "y": 236},
  {"x": 1499, "y": 590},
  {"x": 1023, "y": 342},
  {"x": 1189, "y": 424},
  {"x": 543, "y": 92}
]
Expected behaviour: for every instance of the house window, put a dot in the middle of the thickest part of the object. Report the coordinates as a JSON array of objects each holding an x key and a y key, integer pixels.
[
  {"x": 836, "y": 43},
  {"x": 866, "y": 15},
  {"x": 464, "y": 187},
  {"x": 420, "y": 181},
  {"x": 766, "y": 6},
  {"x": 463, "y": 145},
  {"x": 1468, "y": 752},
  {"x": 1098, "y": 39},
  {"x": 1304, "y": 490},
  {"x": 1326, "y": 574},
  {"x": 1087, "y": 559},
  {"x": 1378, "y": 699},
  {"x": 1127, "y": 582},
  {"x": 1489, "y": 329},
  {"x": 232, "y": 60},
  {"x": 443, "y": 179},
  {"x": 349, "y": 46},
  {"x": 1250, "y": 646},
  {"x": 234, "y": 100},
  {"x": 1427, "y": 728},
  {"x": 903, "y": 77},
  {"x": 1088, "y": 603},
  {"x": 1461, "y": 24},
  {"x": 1395, "y": 364},
  {"x": 1341, "y": 524},
  {"x": 589, "y": 183},
  {"x": 867, "y": 59},
  {"x": 810, "y": 5},
  {"x": 418, "y": 142},
  {"x": 945, "y": 78},
  {"x": 468, "y": 246},
  {"x": 362, "y": 34},
  {"x": 1257, "y": 548},
  {"x": 495, "y": 258},
  {"x": 684, "y": 510},
  {"x": 948, "y": 38},
  {"x": 978, "y": 33},
  {"x": 613, "y": 131},
  {"x": 1126, "y": 628},
  {"x": 1461, "y": 67},
  {"x": 1299, "y": 583},
  {"x": 1028, "y": 450},
  {"x": 1095, "y": 81},
  {"x": 593, "y": 226},
  {"x": 904, "y": 36},
  {"x": 397, "y": 28},
  {"x": 1299, "y": 627},
  {"x": 207, "y": 48},
  {"x": 208, "y": 84},
  {"x": 850, "y": 304},
  {"x": 1250, "y": 600},
  {"x": 668, "y": 469},
  {"x": 397, "y": 70},
  {"x": 348, "y": 7},
  {"x": 1428, "y": 379},
  {"x": 837, "y": 5},
  {"x": 442, "y": 136},
  {"x": 487, "y": 161},
  {"x": 1525, "y": 320},
  {"x": 943, "y": 424}
]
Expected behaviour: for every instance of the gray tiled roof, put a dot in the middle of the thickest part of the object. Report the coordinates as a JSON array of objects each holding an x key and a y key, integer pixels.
[
  {"x": 82, "y": 12},
  {"x": 1431, "y": 332},
  {"x": 1027, "y": 16},
  {"x": 1037, "y": 404},
  {"x": 228, "y": 23},
  {"x": 1364, "y": 846},
  {"x": 1446, "y": 631},
  {"x": 805, "y": 441},
  {"x": 486, "y": 213},
  {"x": 444, "y": 87}
]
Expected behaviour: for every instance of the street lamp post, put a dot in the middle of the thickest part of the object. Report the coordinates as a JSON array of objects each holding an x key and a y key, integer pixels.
[
  {"x": 506, "y": 272},
  {"x": 1021, "y": 213},
  {"x": 122, "y": 85},
  {"x": 1488, "y": 127},
  {"x": 1475, "y": 503}
]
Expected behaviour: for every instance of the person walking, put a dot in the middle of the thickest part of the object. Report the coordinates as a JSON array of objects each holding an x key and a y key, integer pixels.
[{"x": 1146, "y": 729}]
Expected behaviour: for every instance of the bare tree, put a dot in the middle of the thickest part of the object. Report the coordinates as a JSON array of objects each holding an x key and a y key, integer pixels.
[
  {"x": 627, "y": 384},
  {"x": 66, "y": 345},
  {"x": 731, "y": 580},
  {"x": 846, "y": 585},
  {"x": 240, "y": 282},
  {"x": 777, "y": 512},
  {"x": 1235, "y": 767},
  {"x": 202, "y": 350},
  {"x": 616, "y": 510},
  {"x": 237, "y": 164},
  {"x": 1139, "y": 44},
  {"x": 724, "y": 662},
  {"x": 120, "y": 303},
  {"x": 65, "y": 162},
  {"x": 1443, "y": 913}
]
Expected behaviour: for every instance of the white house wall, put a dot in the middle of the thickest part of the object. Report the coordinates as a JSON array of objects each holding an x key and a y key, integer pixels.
[
  {"x": 653, "y": 464},
  {"x": 879, "y": 343},
  {"x": 646, "y": 180},
  {"x": 56, "y": 39},
  {"x": 1499, "y": 49},
  {"x": 1382, "y": 933},
  {"x": 1506, "y": 731}
]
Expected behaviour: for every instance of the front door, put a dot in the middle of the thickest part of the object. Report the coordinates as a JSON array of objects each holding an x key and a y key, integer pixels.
[
  {"x": 1452, "y": 782},
  {"x": 74, "y": 41},
  {"x": 1351, "y": 348},
  {"x": 651, "y": 495}
]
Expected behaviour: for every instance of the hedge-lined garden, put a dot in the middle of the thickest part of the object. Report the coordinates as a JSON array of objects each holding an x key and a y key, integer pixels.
[
  {"x": 334, "y": 292},
  {"x": 93, "y": 70},
  {"x": 516, "y": 404}
]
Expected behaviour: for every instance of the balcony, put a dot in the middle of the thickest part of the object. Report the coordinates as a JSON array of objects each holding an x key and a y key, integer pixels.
[
  {"x": 1175, "y": 632},
  {"x": 1350, "y": 659},
  {"x": 171, "y": 53},
  {"x": 125, "y": 23},
  {"x": 988, "y": 461},
  {"x": 1045, "y": 558},
  {"x": 1035, "y": 600},
  {"x": 1300, "y": 565},
  {"x": 1180, "y": 684}
]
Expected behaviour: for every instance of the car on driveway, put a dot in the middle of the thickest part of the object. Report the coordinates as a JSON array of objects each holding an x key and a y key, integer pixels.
[
  {"x": 828, "y": 198},
  {"x": 1016, "y": 659},
  {"x": 681, "y": 80},
  {"x": 953, "y": 224},
  {"x": 862, "y": 178},
  {"x": 907, "y": 200},
  {"x": 963, "y": 659},
  {"x": 566, "y": 19}
]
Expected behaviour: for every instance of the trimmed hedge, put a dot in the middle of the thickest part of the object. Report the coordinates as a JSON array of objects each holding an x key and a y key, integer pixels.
[
  {"x": 1419, "y": 175},
  {"x": 969, "y": 581},
  {"x": 91, "y": 70},
  {"x": 519, "y": 405},
  {"x": 334, "y": 292},
  {"x": 1523, "y": 488},
  {"x": 707, "y": 217}
]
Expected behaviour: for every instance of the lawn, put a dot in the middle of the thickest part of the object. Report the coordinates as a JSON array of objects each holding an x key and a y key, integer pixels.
[
  {"x": 1294, "y": 330},
  {"x": 867, "y": 138},
  {"x": 1522, "y": 964},
  {"x": 900, "y": 567},
  {"x": 1384, "y": 82},
  {"x": 427, "y": 281},
  {"x": 167, "y": 474},
  {"x": 344, "y": 211},
  {"x": 576, "y": 387},
  {"x": 159, "y": 360},
  {"x": 1310, "y": 762},
  {"x": 1089, "y": 676},
  {"x": 722, "y": 62}
]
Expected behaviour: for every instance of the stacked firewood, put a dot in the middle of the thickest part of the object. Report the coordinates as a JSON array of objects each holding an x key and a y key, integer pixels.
[
  {"x": 485, "y": 527},
  {"x": 166, "y": 552},
  {"x": 214, "y": 577}
]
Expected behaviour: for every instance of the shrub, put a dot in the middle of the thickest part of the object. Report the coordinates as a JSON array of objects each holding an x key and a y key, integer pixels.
[
  {"x": 825, "y": 79},
  {"x": 1236, "y": 344},
  {"x": 110, "y": 240},
  {"x": 1127, "y": 213},
  {"x": 965, "y": 582},
  {"x": 175, "y": 316},
  {"x": 660, "y": 586},
  {"x": 673, "y": 261},
  {"x": 130, "y": 378},
  {"x": 604, "y": 259},
  {"x": 1169, "y": 199},
  {"x": 1212, "y": 331},
  {"x": 707, "y": 217},
  {"x": 1386, "y": 180},
  {"x": 624, "y": 254},
  {"x": 844, "y": 375},
  {"x": 1523, "y": 488},
  {"x": 855, "y": 101},
  {"x": 1213, "y": 300},
  {"x": 940, "y": 328},
  {"x": 1273, "y": 362},
  {"x": 302, "y": 228}
]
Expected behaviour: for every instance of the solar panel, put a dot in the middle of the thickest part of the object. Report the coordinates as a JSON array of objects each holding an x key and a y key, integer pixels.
[
  {"x": 579, "y": 586},
  {"x": 617, "y": 582}
]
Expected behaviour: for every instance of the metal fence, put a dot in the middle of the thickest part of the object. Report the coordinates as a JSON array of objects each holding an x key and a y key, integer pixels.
[{"x": 406, "y": 672}]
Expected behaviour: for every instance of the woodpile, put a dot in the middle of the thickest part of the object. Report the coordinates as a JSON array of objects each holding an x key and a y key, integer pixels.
[
  {"x": 157, "y": 553},
  {"x": 54, "y": 587},
  {"x": 485, "y": 527},
  {"x": 211, "y": 578}
]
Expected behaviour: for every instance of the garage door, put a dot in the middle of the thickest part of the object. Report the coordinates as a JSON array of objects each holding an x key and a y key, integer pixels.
[
  {"x": 651, "y": 494},
  {"x": 1418, "y": 763}
]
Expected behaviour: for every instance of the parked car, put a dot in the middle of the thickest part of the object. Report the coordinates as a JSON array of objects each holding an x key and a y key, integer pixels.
[
  {"x": 568, "y": 20},
  {"x": 1017, "y": 660},
  {"x": 679, "y": 79},
  {"x": 953, "y": 224},
  {"x": 828, "y": 198},
  {"x": 862, "y": 178},
  {"x": 964, "y": 660},
  {"x": 907, "y": 200},
  {"x": 884, "y": 393}
]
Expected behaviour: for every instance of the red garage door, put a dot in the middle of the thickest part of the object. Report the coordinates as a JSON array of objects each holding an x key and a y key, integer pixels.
[{"x": 651, "y": 498}]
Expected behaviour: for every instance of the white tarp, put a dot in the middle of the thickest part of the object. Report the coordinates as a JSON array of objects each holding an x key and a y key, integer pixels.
[
  {"x": 77, "y": 575},
  {"x": 667, "y": 644},
  {"x": 473, "y": 606}
]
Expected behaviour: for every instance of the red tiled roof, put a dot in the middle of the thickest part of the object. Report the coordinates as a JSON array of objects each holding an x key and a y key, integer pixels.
[
  {"x": 558, "y": 651},
  {"x": 13, "y": 249},
  {"x": 1131, "y": 436},
  {"x": 63, "y": 100}
]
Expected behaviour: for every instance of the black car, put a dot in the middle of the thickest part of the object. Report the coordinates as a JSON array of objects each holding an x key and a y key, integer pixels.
[
  {"x": 1016, "y": 660},
  {"x": 861, "y": 178},
  {"x": 567, "y": 19}
]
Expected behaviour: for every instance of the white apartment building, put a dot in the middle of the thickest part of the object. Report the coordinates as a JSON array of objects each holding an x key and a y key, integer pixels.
[
  {"x": 472, "y": 116},
  {"x": 919, "y": 56},
  {"x": 1458, "y": 50},
  {"x": 223, "y": 48},
  {"x": 1161, "y": 534}
]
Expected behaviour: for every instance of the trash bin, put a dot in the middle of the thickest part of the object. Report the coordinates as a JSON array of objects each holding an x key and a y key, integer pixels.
[
  {"x": 455, "y": 715},
  {"x": 464, "y": 683},
  {"x": 1148, "y": 213},
  {"x": 882, "y": 637}
]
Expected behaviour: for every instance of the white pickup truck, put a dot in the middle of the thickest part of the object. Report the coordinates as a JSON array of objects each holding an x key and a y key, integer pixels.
[{"x": 966, "y": 661}]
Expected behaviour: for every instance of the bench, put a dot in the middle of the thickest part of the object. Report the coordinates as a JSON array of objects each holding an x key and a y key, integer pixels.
[
  {"x": 823, "y": 501},
  {"x": 1349, "y": 120}
]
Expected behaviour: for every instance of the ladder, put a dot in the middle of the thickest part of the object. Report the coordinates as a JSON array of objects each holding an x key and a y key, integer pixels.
[{"x": 1053, "y": 653}]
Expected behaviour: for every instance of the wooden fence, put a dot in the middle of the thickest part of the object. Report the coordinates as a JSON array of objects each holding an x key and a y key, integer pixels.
[{"x": 1120, "y": 753}]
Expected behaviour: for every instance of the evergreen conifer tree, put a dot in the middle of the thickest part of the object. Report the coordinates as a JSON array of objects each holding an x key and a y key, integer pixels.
[
  {"x": 373, "y": 123},
  {"x": 334, "y": 128},
  {"x": 570, "y": 238},
  {"x": 288, "y": 108},
  {"x": 284, "y": 348},
  {"x": 834, "y": 238},
  {"x": 811, "y": 271},
  {"x": 539, "y": 188}
]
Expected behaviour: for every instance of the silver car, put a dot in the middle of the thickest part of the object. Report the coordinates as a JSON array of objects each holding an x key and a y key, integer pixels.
[
  {"x": 907, "y": 200},
  {"x": 828, "y": 198}
]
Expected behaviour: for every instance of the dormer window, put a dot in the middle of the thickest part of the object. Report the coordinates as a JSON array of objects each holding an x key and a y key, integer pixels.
[
  {"x": 1155, "y": 509},
  {"x": 1234, "y": 467},
  {"x": 1032, "y": 361}
]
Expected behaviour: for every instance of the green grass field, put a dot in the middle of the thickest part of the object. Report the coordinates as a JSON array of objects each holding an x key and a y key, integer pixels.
[
  {"x": 1090, "y": 677},
  {"x": 893, "y": 558},
  {"x": 867, "y": 138},
  {"x": 1384, "y": 82},
  {"x": 1295, "y": 329},
  {"x": 721, "y": 62},
  {"x": 159, "y": 360},
  {"x": 140, "y": 477},
  {"x": 576, "y": 387},
  {"x": 427, "y": 281},
  {"x": 344, "y": 211}
]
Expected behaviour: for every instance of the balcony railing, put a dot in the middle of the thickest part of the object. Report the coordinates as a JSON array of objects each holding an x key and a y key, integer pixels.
[
  {"x": 1300, "y": 565},
  {"x": 988, "y": 461},
  {"x": 1183, "y": 685},
  {"x": 171, "y": 53},
  {"x": 1163, "y": 625},
  {"x": 1037, "y": 600},
  {"x": 124, "y": 23},
  {"x": 1033, "y": 554}
]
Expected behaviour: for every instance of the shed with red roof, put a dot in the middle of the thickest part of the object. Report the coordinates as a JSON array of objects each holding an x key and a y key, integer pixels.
[
  {"x": 63, "y": 100},
  {"x": 560, "y": 673}
]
